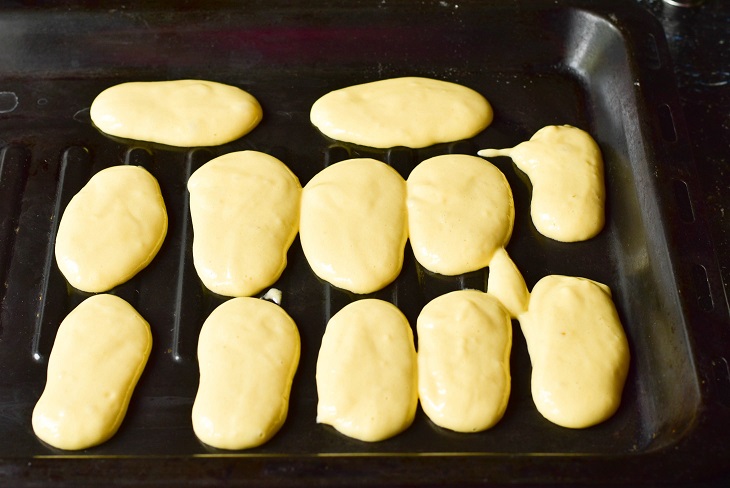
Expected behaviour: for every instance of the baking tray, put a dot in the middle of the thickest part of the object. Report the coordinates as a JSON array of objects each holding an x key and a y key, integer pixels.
[{"x": 602, "y": 66}]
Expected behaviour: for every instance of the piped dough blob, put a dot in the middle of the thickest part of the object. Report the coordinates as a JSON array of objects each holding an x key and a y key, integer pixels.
[
  {"x": 184, "y": 113},
  {"x": 367, "y": 372},
  {"x": 354, "y": 224},
  {"x": 412, "y": 112},
  {"x": 565, "y": 167},
  {"x": 464, "y": 343},
  {"x": 245, "y": 213},
  {"x": 248, "y": 353},
  {"x": 460, "y": 212},
  {"x": 98, "y": 355},
  {"x": 578, "y": 349},
  {"x": 111, "y": 229}
]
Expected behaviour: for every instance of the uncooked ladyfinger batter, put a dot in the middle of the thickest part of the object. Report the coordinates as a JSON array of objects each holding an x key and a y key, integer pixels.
[
  {"x": 565, "y": 167},
  {"x": 184, "y": 113},
  {"x": 354, "y": 225},
  {"x": 411, "y": 111},
  {"x": 367, "y": 379}
]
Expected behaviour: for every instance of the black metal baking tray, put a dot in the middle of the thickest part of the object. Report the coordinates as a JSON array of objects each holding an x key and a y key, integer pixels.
[{"x": 602, "y": 66}]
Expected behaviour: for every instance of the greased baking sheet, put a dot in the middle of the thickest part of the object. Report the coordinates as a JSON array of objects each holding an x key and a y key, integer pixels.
[{"x": 594, "y": 65}]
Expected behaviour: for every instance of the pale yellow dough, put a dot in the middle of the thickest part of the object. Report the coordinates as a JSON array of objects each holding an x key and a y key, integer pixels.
[
  {"x": 111, "y": 229},
  {"x": 565, "y": 167},
  {"x": 183, "y": 113},
  {"x": 248, "y": 353},
  {"x": 464, "y": 342},
  {"x": 245, "y": 213},
  {"x": 354, "y": 224},
  {"x": 367, "y": 372},
  {"x": 412, "y": 112},
  {"x": 578, "y": 349},
  {"x": 99, "y": 353},
  {"x": 460, "y": 212}
]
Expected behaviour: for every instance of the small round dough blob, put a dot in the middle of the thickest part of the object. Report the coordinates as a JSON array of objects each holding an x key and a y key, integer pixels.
[
  {"x": 248, "y": 353},
  {"x": 578, "y": 349},
  {"x": 411, "y": 112},
  {"x": 111, "y": 229},
  {"x": 184, "y": 113},
  {"x": 460, "y": 211},
  {"x": 354, "y": 224},
  {"x": 367, "y": 372},
  {"x": 245, "y": 213},
  {"x": 98, "y": 355},
  {"x": 464, "y": 343},
  {"x": 565, "y": 167}
]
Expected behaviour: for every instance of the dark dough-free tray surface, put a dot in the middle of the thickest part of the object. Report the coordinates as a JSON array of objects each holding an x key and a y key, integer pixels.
[{"x": 588, "y": 64}]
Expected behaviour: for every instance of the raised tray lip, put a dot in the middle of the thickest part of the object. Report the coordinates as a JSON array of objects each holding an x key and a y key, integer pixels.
[{"x": 677, "y": 462}]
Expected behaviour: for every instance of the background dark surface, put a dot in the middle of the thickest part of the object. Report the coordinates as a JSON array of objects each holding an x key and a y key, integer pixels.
[{"x": 699, "y": 43}]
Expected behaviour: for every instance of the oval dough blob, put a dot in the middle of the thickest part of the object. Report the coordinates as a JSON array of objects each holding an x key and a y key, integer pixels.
[
  {"x": 412, "y": 112},
  {"x": 578, "y": 350},
  {"x": 248, "y": 353},
  {"x": 366, "y": 372},
  {"x": 245, "y": 213},
  {"x": 565, "y": 167},
  {"x": 464, "y": 343},
  {"x": 98, "y": 355},
  {"x": 460, "y": 211},
  {"x": 354, "y": 224},
  {"x": 184, "y": 113},
  {"x": 111, "y": 229}
]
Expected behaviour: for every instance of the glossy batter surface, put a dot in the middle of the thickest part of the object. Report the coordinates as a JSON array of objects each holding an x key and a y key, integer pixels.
[
  {"x": 565, "y": 167},
  {"x": 460, "y": 211},
  {"x": 183, "y": 113},
  {"x": 411, "y": 111},
  {"x": 98, "y": 355},
  {"x": 578, "y": 349},
  {"x": 354, "y": 224},
  {"x": 367, "y": 372},
  {"x": 111, "y": 229},
  {"x": 464, "y": 343},
  {"x": 248, "y": 353},
  {"x": 245, "y": 213}
]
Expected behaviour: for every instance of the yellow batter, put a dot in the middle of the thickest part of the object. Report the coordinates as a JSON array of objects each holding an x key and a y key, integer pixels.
[
  {"x": 578, "y": 350},
  {"x": 245, "y": 214},
  {"x": 460, "y": 212},
  {"x": 99, "y": 353},
  {"x": 367, "y": 372},
  {"x": 248, "y": 352},
  {"x": 111, "y": 229},
  {"x": 565, "y": 167},
  {"x": 183, "y": 113},
  {"x": 412, "y": 112},
  {"x": 507, "y": 284},
  {"x": 464, "y": 342},
  {"x": 354, "y": 225}
]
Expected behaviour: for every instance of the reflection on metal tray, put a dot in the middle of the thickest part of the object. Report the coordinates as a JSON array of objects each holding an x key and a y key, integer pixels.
[{"x": 538, "y": 63}]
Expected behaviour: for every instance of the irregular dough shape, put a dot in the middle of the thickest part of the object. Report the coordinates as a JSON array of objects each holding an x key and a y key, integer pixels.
[
  {"x": 565, "y": 167},
  {"x": 185, "y": 113},
  {"x": 248, "y": 352},
  {"x": 98, "y": 355},
  {"x": 506, "y": 283},
  {"x": 578, "y": 349},
  {"x": 460, "y": 211},
  {"x": 245, "y": 212},
  {"x": 111, "y": 229},
  {"x": 411, "y": 112},
  {"x": 367, "y": 372},
  {"x": 464, "y": 343},
  {"x": 354, "y": 224}
]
